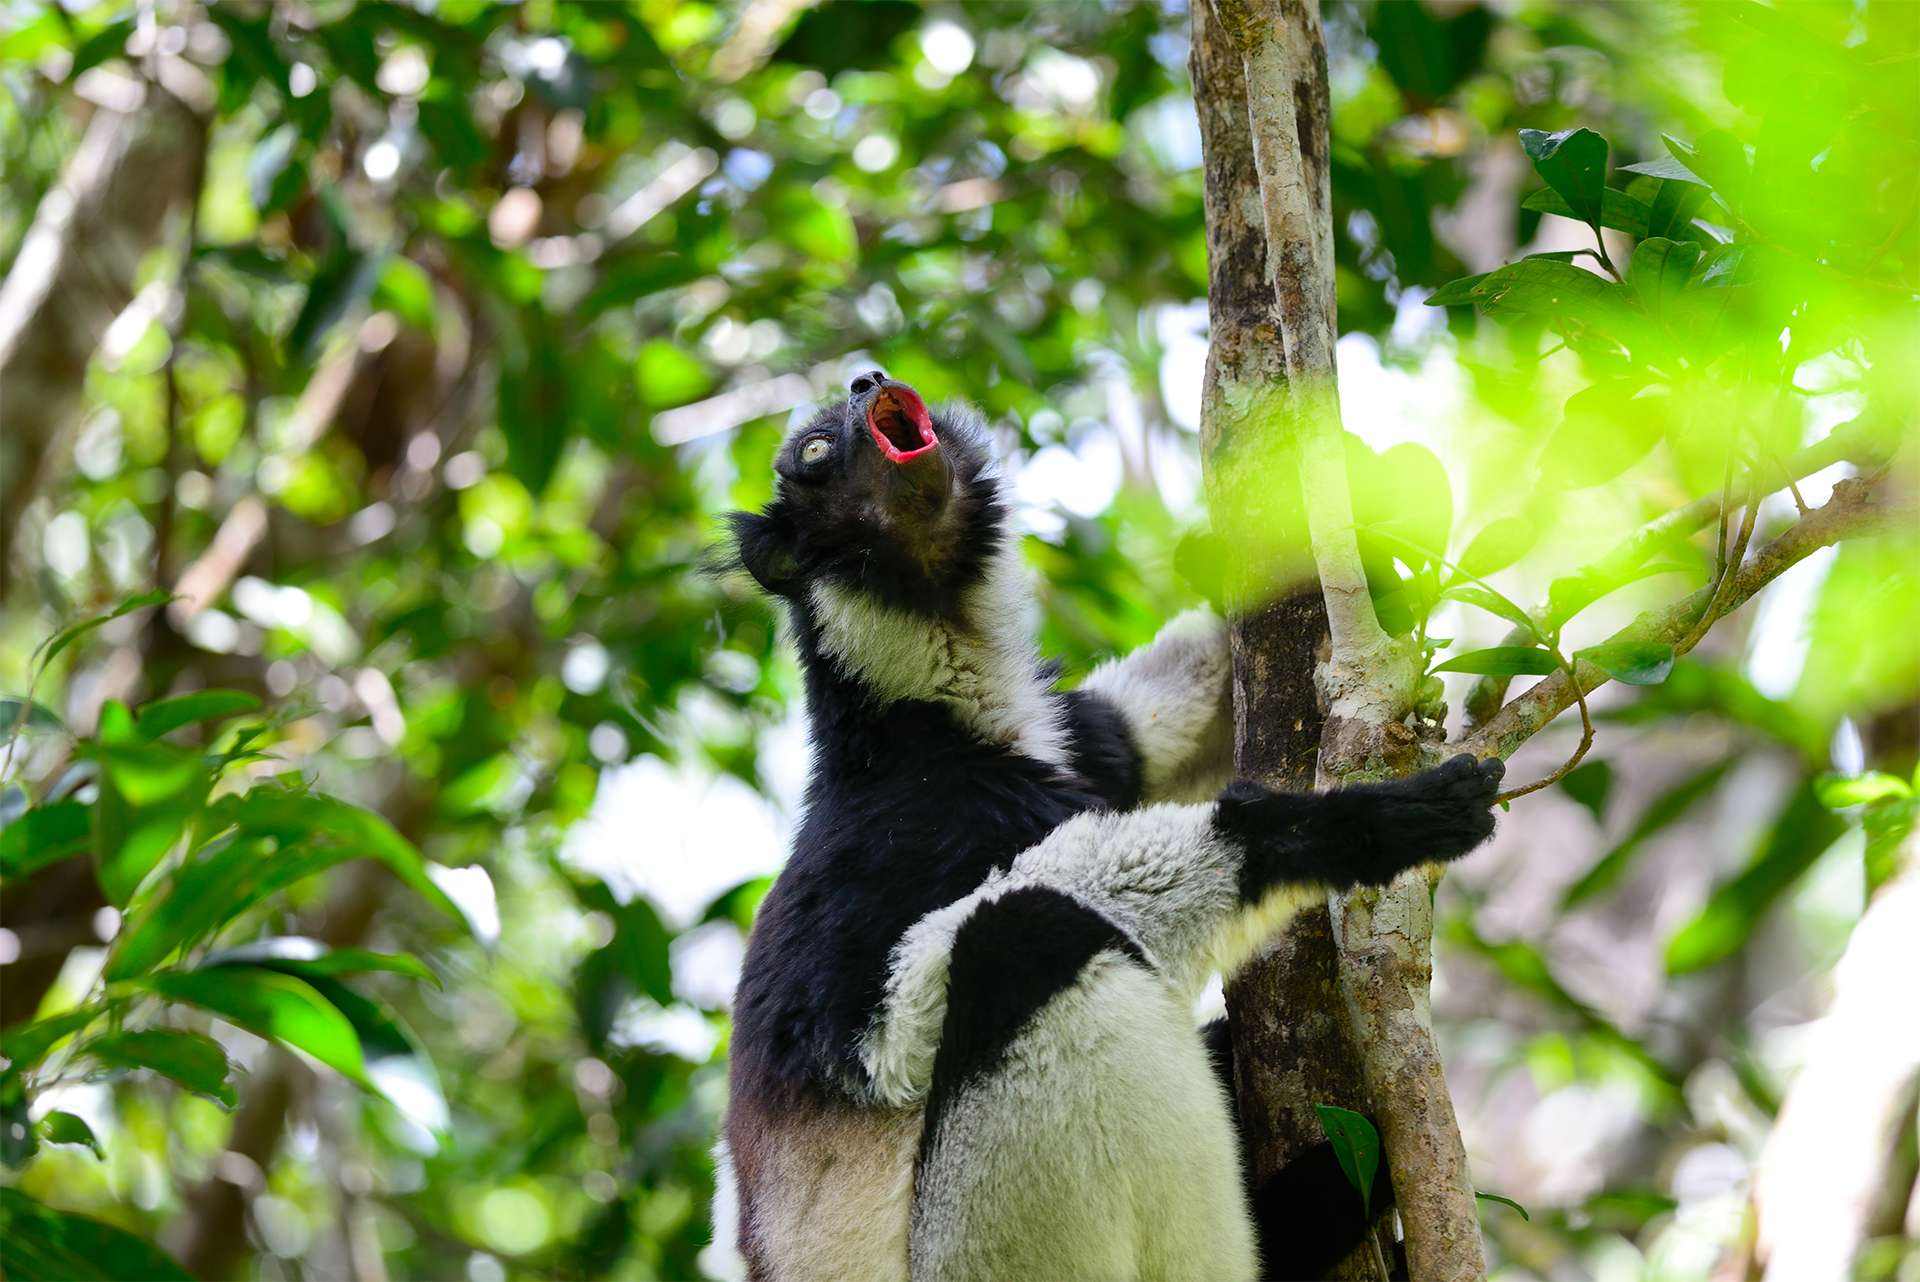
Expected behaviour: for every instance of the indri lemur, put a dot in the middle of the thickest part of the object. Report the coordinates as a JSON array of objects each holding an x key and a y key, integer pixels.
[{"x": 964, "y": 1044}]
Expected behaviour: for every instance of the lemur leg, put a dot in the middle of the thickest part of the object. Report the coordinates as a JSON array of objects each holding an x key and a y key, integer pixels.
[
  {"x": 1176, "y": 696},
  {"x": 1306, "y": 1216}
]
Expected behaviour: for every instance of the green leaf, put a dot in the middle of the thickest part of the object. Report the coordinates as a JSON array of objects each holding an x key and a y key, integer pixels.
[
  {"x": 64, "y": 1128},
  {"x": 1533, "y": 285},
  {"x": 60, "y": 640},
  {"x": 271, "y": 1004},
  {"x": 24, "y": 1045},
  {"x": 44, "y": 835},
  {"x": 667, "y": 374},
  {"x": 1665, "y": 167},
  {"x": 1635, "y": 663},
  {"x": 164, "y": 715},
  {"x": 1502, "y": 661},
  {"x": 1492, "y": 602},
  {"x": 1886, "y": 826},
  {"x": 406, "y": 290},
  {"x": 1673, "y": 208},
  {"x": 1804, "y": 830},
  {"x": 279, "y": 836},
  {"x": 1569, "y": 595},
  {"x": 1659, "y": 270},
  {"x": 1837, "y": 792},
  {"x": 1356, "y": 1146},
  {"x": 1504, "y": 1201},
  {"x": 1663, "y": 811},
  {"x": 1617, "y": 209},
  {"x": 40, "y": 1244},
  {"x": 1588, "y": 784},
  {"x": 311, "y": 959},
  {"x": 1574, "y": 164},
  {"x": 25, "y": 714},
  {"x": 1602, "y": 433},
  {"x": 1498, "y": 545},
  {"x": 132, "y": 833},
  {"x": 195, "y": 1062}
]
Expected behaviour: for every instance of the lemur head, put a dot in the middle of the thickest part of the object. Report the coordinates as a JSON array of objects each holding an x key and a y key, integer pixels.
[{"x": 879, "y": 496}]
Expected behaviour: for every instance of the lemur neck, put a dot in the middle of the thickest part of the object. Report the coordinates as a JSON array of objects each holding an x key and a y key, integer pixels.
[{"x": 981, "y": 665}]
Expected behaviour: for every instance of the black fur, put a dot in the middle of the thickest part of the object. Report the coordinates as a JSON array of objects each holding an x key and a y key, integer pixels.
[
  {"x": 1361, "y": 835},
  {"x": 1103, "y": 751},
  {"x": 825, "y": 525},
  {"x": 1009, "y": 959},
  {"x": 905, "y": 813}
]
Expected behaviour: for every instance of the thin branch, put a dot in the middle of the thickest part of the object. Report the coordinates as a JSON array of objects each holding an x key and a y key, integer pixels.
[
  {"x": 1852, "y": 512},
  {"x": 1855, "y": 440}
]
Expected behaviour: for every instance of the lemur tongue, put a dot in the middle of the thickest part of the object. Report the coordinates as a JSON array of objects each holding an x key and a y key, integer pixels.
[{"x": 900, "y": 424}]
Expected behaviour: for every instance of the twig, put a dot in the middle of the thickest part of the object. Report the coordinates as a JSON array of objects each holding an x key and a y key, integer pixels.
[{"x": 1852, "y": 512}]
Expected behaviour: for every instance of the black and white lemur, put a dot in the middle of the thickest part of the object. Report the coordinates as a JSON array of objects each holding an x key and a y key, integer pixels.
[{"x": 964, "y": 1043}]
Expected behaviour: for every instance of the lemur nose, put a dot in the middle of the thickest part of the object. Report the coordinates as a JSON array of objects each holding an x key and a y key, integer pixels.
[{"x": 866, "y": 382}]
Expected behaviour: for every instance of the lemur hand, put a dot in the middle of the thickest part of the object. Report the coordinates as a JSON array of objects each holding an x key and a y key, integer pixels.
[
  {"x": 1436, "y": 815},
  {"x": 1365, "y": 834}
]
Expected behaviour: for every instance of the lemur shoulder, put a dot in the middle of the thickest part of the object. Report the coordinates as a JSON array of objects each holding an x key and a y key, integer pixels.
[{"x": 963, "y": 1040}]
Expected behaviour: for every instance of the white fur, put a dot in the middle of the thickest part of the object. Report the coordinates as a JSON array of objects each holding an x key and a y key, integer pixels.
[
  {"x": 1176, "y": 696},
  {"x": 1101, "y": 1149},
  {"x": 985, "y": 668},
  {"x": 838, "y": 1194},
  {"x": 1162, "y": 874}
]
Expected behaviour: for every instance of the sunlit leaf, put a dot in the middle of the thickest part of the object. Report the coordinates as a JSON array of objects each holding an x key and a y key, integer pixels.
[
  {"x": 164, "y": 715},
  {"x": 1502, "y": 661},
  {"x": 1498, "y": 545},
  {"x": 195, "y": 1062},
  {"x": 1837, "y": 792},
  {"x": 271, "y": 1004},
  {"x": 1637, "y": 663},
  {"x": 64, "y": 1128},
  {"x": 1492, "y": 602}
]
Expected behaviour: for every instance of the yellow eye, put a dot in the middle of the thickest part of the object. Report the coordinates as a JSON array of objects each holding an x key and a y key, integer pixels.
[{"x": 815, "y": 450}]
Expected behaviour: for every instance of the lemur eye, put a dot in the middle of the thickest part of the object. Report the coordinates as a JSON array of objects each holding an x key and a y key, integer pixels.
[{"x": 815, "y": 450}]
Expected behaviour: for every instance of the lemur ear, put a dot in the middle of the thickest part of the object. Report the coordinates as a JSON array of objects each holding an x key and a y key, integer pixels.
[{"x": 763, "y": 541}]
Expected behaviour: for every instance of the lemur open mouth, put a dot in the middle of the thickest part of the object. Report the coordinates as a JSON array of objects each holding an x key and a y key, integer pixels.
[{"x": 900, "y": 424}]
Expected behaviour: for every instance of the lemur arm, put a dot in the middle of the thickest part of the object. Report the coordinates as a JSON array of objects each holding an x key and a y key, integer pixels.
[
  {"x": 1176, "y": 696},
  {"x": 1175, "y": 879}
]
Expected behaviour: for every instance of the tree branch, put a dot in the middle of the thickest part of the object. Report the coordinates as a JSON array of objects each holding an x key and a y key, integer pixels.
[
  {"x": 1854, "y": 510},
  {"x": 1854, "y": 441}
]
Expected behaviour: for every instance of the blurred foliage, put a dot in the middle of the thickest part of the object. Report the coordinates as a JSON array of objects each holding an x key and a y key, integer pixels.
[{"x": 407, "y": 450}]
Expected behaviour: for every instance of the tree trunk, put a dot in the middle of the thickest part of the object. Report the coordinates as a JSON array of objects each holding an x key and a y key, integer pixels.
[
  {"x": 1290, "y": 1040},
  {"x": 1309, "y": 1010}
]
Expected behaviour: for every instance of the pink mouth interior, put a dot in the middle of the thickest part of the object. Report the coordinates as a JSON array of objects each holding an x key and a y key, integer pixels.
[{"x": 900, "y": 425}]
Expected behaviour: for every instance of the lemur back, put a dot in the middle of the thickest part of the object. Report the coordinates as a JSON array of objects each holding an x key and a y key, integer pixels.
[{"x": 963, "y": 1043}]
